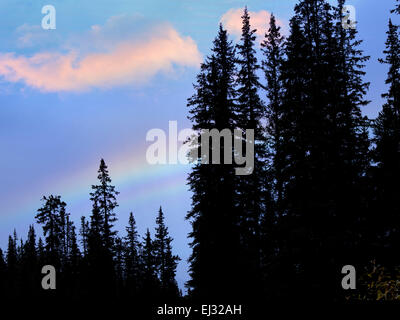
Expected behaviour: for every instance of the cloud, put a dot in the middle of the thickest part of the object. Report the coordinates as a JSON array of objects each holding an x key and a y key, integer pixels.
[
  {"x": 30, "y": 35},
  {"x": 132, "y": 58},
  {"x": 232, "y": 21}
]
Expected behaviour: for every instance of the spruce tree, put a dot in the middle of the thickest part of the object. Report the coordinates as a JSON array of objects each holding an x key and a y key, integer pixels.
[
  {"x": 214, "y": 263},
  {"x": 166, "y": 262},
  {"x": 12, "y": 267},
  {"x": 119, "y": 267},
  {"x": 51, "y": 215},
  {"x": 324, "y": 150},
  {"x": 102, "y": 234},
  {"x": 150, "y": 281},
  {"x": 387, "y": 154},
  {"x": 100, "y": 264},
  {"x": 104, "y": 195},
  {"x": 252, "y": 190},
  {"x": 30, "y": 270},
  {"x": 132, "y": 248},
  {"x": 273, "y": 51}
]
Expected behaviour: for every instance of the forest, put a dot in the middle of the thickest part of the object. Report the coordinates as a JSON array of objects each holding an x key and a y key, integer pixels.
[{"x": 322, "y": 193}]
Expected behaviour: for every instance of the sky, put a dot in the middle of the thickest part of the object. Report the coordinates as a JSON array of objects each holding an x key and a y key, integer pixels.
[{"x": 93, "y": 87}]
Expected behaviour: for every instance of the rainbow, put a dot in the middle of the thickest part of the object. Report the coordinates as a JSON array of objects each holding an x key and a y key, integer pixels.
[{"x": 136, "y": 180}]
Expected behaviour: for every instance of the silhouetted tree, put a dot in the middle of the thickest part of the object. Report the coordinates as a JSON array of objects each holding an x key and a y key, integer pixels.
[
  {"x": 132, "y": 248},
  {"x": 30, "y": 270},
  {"x": 324, "y": 151},
  {"x": 12, "y": 267},
  {"x": 273, "y": 50},
  {"x": 150, "y": 281},
  {"x": 387, "y": 154},
  {"x": 214, "y": 263},
  {"x": 166, "y": 262},
  {"x": 253, "y": 189},
  {"x": 105, "y": 196},
  {"x": 51, "y": 215}
]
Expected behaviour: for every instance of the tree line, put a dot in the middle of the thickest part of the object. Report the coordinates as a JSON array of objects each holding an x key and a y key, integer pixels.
[
  {"x": 322, "y": 193},
  {"x": 96, "y": 264},
  {"x": 325, "y": 186}
]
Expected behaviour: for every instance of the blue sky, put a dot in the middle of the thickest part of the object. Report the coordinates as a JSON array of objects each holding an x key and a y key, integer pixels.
[{"x": 57, "y": 121}]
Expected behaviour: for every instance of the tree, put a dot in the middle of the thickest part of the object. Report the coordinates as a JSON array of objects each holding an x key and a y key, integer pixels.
[
  {"x": 253, "y": 190},
  {"x": 132, "y": 248},
  {"x": 29, "y": 265},
  {"x": 324, "y": 151},
  {"x": 150, "y": 280},
  {"x": 12, "y": 267},
  {"x": 100, "y": 264},
  {"x": 387, "y": 153},
  {"x": 105, "y": 196},
  {"x": 273, "y": 50},
  {"x": 51, "y": 215},
  {"x": 102, "y": 234},
  {"x": 166, "y": 262},
  {"x": 214, "y": 263},
  {"x": 119, "y": 266}
]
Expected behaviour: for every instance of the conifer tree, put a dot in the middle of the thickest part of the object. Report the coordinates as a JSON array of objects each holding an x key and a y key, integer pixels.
[
  {"x": 253, "y": 190},
  {"x": 12, "y": 267},
  {"x": 104, "y": 195},
  {"x": 132, "y": 248},
  {"x": 214, "y": 263},
  {"x": 273, "y": 50},
  {"x": 166, "y": 262},
  {"x": 324, "y": 149},
  {"x": 150, "y": 280},
  {"x": 51, "y": 215},
  {"x": 387, "y": 153},
  {"x": 29, "y": 264},
  {"x": 99, "y": 261}
]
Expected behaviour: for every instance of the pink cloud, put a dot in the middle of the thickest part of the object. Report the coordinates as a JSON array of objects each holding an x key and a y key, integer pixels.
[
  {"x": 232, "y": 21},
  {"x": 128, "y": 61}
]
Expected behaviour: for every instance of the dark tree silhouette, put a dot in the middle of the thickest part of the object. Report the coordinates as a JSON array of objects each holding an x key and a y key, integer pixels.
[
  {"x": 104, "y": 195},
  {"x": 52, "y": 216},
  {"x": 132, "y": 248},
  {"x": 273, "y": 50},
  {"x": 252, "y": 190},
  {"x": 29, "y": 265},
  {"x": 318, "y": 197},
  {"x": 214, "y": 263},
  {"x": 166, "y": 262},
  {"x": 387, "y": 154},
  {"x": 12, "y": 267},
  {"x": 151, "y": 283}
]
